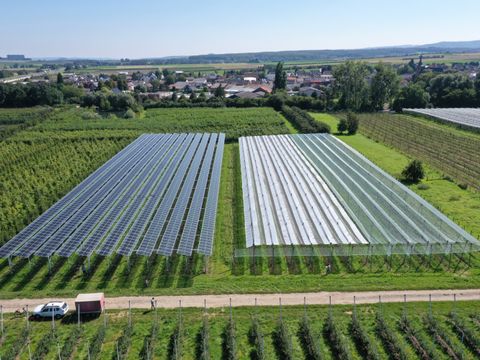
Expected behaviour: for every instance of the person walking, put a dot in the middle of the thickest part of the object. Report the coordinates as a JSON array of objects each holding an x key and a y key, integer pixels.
[{"x": 152, "y": 304}]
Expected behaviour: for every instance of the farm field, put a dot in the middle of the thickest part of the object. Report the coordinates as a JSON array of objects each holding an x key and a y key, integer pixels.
[
  {"x": 292, "y": 332},
  {"x": 454, "y": 152},
  {"x": 234, "y": 122},
  {"x": 110, "y": 210},
  {"x": 224, "y": 273},
  {"x": 14, "y": 120}
]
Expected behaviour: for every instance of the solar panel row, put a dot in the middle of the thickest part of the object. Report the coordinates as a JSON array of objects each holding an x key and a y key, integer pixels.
[
  {"x": 73, "y": 214},
  {"x": 156, "y": 185},
  {"x": 139, "y": 225},
  {"x": 189, "y": 232},
  {"x": 205, "y": 245},
  {"x": 8, "y": 248}
]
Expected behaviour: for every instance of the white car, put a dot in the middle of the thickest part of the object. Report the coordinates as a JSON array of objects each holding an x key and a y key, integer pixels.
[{"x": 57, "y": 309}]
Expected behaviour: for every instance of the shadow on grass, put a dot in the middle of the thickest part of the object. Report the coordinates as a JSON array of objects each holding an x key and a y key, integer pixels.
[
  {"x": 34, "y": 267},
  {"x": 59, "y": 262},
  {"x": 128, "y": 273},
  {"x": 168, "y": 271},
  {"x": 256, "y": 265},
  {"x": 187, "y": 271},
  {"x": 146, "y": 273},
  {"x": 90, "y": 271},
  {"x": 108, "y": 274},
  {"x": 68, "y": 276},
  {"x": 16, "y": 267}
]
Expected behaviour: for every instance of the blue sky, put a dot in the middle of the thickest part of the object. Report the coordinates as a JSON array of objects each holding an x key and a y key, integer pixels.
[{"x": 154, "y": 28}]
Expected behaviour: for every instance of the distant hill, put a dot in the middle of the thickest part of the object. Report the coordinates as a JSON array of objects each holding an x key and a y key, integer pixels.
[
  {"x": 303, "y": 55},
  {"x": 474, "y": 45},
  {"x": 325, "y": 55}
]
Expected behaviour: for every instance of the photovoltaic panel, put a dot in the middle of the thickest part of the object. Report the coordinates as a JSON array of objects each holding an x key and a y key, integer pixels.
[
  {"x": 176, "y": 219},
  {"x": 78, "y": 206},
  {"x": 158, "y": 221},
  {"x": 140, "y": 223},
  {"x": 205, "y": 244},
  {"x": 129, "y": 210},
  {"x": 18, "y": 240},
  {"x": 189, "y": 232},
  {"x": 152, "y": 193},
  {"x": 105, "y": 215}
]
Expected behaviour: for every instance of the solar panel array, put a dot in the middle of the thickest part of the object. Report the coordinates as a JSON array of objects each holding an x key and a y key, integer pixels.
[{"x": 148, "y": 197}]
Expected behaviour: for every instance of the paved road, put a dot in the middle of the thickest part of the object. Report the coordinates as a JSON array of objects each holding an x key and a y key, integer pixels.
[{"x": 216, "y": 301}]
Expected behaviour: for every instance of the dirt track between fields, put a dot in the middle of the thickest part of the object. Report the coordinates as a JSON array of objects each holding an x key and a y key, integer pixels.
[{"x": 216, "y": 301}]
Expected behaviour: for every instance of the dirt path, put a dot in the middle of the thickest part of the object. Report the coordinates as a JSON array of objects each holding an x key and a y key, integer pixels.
[{"x": 319, "y": 298}]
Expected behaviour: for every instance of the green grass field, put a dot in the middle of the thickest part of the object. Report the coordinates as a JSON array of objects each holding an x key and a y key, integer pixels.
[
  {"x": 225, "y": 273},
  {"x": 43, "y": 341}
]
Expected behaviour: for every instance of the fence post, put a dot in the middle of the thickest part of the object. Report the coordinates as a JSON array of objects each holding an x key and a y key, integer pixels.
[
  {"x": 280, "y": 305},
  {"x": 78, "y": 314},
  {"x": 1, "y": 321},
  {"x": 305, "y": 306},
  {"x": 129, "y": 314},
  {"x": 430, "y": 303},
  {"x": 354, "y": 306},
  {"x": 26, "y": 317},
  {"x": 53, "y": 320}
]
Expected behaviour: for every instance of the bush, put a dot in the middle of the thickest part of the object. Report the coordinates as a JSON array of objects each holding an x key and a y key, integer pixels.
[
  {"x": 17, "y": 346},
  {"x": 96, "y": 344},
  {"x": 362, "y": 340},
  {"x": 283, "y": 341},
  {"x": 441, "y": 337},
  {"x": 413, "y": 172},
  {"x": 203, "y": 346},
  {"x": 70, "y": 342},
  {"x": 146, "y": 353},
  {"x": 389, "y": 339},
  {"x": 123, "y": 343},
  {"x": 257, "y": 341},
  {"x": 342, "y": 126},
  {"x": 90, "y": 115},
  {"x": 423, "y": 187},
  {"x": 352, "y": 123},
  {"x": 308, "y": 340},
  {"x": 230, "y": 341},
  {"x": 303, "y": 121},
  {"x": 129, "y": 114},
  {"x": 176, "y": 342},
  {"x": 421, "y": 345},
  {"x": 337, "y": 340}
]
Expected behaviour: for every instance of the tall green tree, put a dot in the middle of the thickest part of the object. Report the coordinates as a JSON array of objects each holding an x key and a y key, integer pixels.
[
  {"x": 59, "y": 79},
  {"x": 452, "y": 90},
  {"x": 411, "y": 96},
  {"x": 351, "y": 84},
  {"x": 477, "y": 88},
  {"x": 384, "y": 86},
  {"x": 219, "y": 92},
  {"x": 280, "y": 82}
]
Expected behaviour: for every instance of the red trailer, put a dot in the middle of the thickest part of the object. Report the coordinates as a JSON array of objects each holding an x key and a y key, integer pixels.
[{"x": 90, "y": 303}]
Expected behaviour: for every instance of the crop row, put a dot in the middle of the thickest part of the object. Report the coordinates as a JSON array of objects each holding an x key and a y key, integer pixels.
[
  {"x": 234, "y": 122},
  {"x": 451, "y": 151},
  {"x": 372, "y": 331}
]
